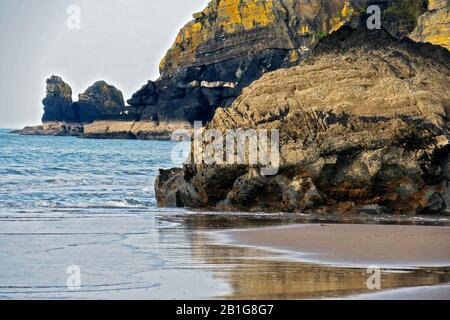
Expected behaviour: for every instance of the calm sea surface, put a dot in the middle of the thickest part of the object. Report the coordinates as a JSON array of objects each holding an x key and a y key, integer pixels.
[{"x": 91, "y": 204}]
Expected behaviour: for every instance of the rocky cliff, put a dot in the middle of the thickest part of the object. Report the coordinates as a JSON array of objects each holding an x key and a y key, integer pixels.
[
  {"x": 363, "y": 127},
  {"x": 231, "y": 43},
  {"x": 226, "y": 47},
  {"x": 100, "y": 101}
]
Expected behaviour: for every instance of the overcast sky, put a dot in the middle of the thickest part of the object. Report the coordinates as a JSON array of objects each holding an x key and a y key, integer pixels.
[{"x": 120, "y": 41}]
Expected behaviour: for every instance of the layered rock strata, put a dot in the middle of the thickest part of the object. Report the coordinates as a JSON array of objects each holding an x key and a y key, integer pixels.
[
  {"x": 434, "y": 25},
  {"x": 231, "y": 43},
  {"x": 226, "y": 47},
  {"x": 363, "y": 127}
]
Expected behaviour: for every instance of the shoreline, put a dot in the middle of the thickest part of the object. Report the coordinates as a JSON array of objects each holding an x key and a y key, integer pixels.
[
  {"x": 416, "y": 249},
  {"x": 106, "y": 130},
  {"x": 386, "y": 246}
]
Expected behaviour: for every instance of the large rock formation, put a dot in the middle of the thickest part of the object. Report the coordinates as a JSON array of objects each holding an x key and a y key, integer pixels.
[
  {"x": 363, "y": 127},
  {"x": 58, "y": 101},
  {"x": 100, "y": 101},
  {"x": 226, "y": 47},
  {"x": 231, "y": 43}
]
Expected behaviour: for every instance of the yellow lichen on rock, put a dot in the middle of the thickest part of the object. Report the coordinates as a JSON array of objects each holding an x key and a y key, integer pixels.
[
  {"x": 289, "y": 24},
  {"x": 347, "y": 10},
  {"x": 341, "y": 20},
  {"x": 434, "y": 25},
  {"x": 294, "y": 56},
  {"x": 305, "y": 30},
  {"x": 437, "y": 4},
  {"x": 244, "y": 15},
  {"x": 225, "y": 16}
]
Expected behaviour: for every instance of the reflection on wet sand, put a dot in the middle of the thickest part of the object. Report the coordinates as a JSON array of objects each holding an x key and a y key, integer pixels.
[
  {"x": 257, "y": 274},
  {"x": 254, "y": 274}
]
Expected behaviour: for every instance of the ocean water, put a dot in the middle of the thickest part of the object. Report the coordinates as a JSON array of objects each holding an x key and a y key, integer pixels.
[
  {"x": 91, "y": 204},
  {"x": 41, "y": 173},
  {"x": 69, "y": 204}
]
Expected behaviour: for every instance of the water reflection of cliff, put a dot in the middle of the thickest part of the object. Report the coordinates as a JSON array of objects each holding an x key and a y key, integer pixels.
[{"x": 256, "y": 274}]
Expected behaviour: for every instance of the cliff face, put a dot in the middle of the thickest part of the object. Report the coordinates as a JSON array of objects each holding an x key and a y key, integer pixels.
[
  {"x": 363, "y": 127},
  {"x": 215, "y": 33},
  {"x": 231, "y": 43},
  {"x": 434, "y": 25},
  {"x": 226, "y": 47}
]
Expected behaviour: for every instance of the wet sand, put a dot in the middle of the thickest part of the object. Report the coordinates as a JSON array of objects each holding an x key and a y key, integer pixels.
[
  {"x": 417, "y": 293},
  {"x": 352, "y": 245}
]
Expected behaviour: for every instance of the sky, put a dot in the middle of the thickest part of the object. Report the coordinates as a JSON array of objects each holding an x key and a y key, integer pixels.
[{"x": 119, "y": 41}]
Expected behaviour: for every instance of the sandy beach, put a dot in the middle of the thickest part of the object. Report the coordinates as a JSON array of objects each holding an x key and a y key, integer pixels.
[
  {"x": 352, "y": 245},
  {"x": 398, "y": 250}
]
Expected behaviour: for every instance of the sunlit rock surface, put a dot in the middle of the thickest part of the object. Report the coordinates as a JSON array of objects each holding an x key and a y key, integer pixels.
[
  {"x": 434, "y": 25},
  {"x": 231, "y": 43}
]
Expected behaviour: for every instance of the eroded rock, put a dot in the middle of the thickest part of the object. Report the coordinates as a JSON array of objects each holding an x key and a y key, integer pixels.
[
  {"x": 99, "y": 102},
  {"x": 58, "y": 101},
  {"x": 434, "y": 25},
  {"x": 232, "y": 43},
  {"x": 226, "y": 47},
  {"x": 363, "y": 126}
]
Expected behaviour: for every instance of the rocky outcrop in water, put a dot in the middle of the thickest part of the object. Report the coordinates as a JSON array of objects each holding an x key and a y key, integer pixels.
[
  {"x": 100, "y": 103},
  {"x": 58, "y": 101},
  {"x": 363, "y": 128}
]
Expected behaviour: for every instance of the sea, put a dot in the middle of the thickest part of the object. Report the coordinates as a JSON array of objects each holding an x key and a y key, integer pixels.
[{"x": 79, "y": 220}]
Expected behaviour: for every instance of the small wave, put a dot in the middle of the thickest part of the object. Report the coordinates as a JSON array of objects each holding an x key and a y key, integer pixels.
[
  {"x": 65, "y": 181},
  {"x": 77, "y": 204},
  {"x": 58, "y": 169},
  {"x": 17, "y": 172},
  {"x": 109, "y": 204},
  {"x": 131, "y": 173},
  {"x": 126, "y": 203}
]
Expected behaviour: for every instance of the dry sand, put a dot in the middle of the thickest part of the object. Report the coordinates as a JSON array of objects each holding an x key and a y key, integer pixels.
[{"x": 353, "y": 245}]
